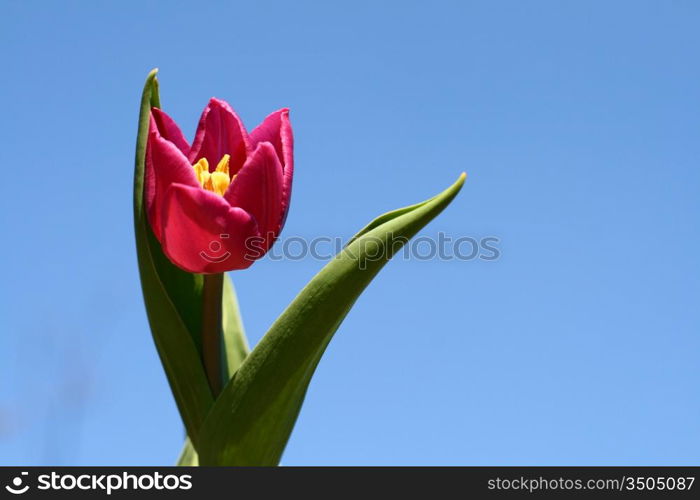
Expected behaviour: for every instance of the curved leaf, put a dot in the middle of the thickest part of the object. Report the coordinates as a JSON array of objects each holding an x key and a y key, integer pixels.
[
  {"x": 253, "y": 417},
  {"x": 235, "y": 348},
  {"x": 172, "y": 296}
]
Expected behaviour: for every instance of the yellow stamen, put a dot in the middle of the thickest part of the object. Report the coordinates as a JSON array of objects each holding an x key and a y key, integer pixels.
[
  {"x": 201, "y": 169},
  {"x": 217, "y": 181},
  {"x": 223, "y": 164}
]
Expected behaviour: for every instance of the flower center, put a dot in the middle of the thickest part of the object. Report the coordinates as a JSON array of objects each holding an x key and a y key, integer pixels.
[{"x": 216, "y": 181}]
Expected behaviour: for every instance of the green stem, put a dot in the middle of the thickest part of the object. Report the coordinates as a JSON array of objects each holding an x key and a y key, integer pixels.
[{"x": 212, "y": 330}]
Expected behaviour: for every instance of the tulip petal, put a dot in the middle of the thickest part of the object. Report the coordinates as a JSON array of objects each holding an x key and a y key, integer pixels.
[
  {"x": 165, "y": 165},
  {"x": 258, "y": 189},
  {"x": 220, "y": 132},
  {"x": 169, "y": 130},
  {"x": 277, "y": 130},
  {"x": 202, "y": 233}
]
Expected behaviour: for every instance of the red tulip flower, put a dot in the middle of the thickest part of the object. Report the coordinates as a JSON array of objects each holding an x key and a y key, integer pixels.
[{"x": 219, "y": 204}]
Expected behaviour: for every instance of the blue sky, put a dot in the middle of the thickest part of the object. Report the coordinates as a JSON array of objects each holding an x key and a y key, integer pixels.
[{"x": 577, "y": 124}]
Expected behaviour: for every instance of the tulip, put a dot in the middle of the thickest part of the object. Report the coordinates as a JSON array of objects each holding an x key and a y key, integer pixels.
[{"x": 219, "y": 204}]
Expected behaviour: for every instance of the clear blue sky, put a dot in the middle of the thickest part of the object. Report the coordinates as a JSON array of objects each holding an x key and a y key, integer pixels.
[{"x": 577, "y": 123}]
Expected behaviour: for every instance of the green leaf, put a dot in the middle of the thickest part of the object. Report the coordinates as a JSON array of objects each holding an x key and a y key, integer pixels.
[
  {"x": 235, "y": 345},
  {"x": 188, "y": 455},
  {"x": 172, "y": 296},
  {"x": 253, "y": 417}
]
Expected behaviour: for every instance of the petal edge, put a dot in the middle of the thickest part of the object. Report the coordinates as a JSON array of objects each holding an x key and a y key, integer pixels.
[{"x": 202, "y": 233}]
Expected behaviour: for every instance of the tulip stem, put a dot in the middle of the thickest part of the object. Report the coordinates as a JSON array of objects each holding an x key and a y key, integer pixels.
[{"x": 212, "y": 329}]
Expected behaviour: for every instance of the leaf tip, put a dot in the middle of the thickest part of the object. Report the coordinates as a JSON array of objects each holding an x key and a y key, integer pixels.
[
  {"x": 152, "y": 88},
  {"x": 151, "y": 79},
  {"x": 457, "y": 186}
]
